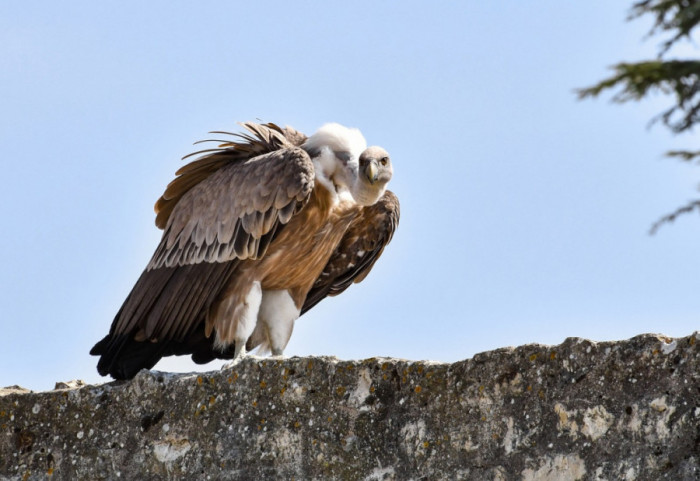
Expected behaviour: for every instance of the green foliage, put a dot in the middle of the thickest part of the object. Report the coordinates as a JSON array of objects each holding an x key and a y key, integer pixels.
[
  {"x": 686, "y": 209},
  {"x": 678, "y": 16},
  {"x": 684, "y": 155},
  {"x": 679, "y": 78}
]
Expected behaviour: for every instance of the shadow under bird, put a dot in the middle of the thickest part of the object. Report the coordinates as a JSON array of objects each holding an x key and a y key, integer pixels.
[{"x": 256, "y": 232}]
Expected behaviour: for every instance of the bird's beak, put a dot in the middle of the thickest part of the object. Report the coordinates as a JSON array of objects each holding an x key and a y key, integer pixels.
[{"x": 372, "y": 172}]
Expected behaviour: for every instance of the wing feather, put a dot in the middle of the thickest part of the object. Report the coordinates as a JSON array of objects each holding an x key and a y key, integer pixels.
[
  {"x": 167, "y": 305},
  {"x": 286, "y": 212},
  {"x": 268, "y": 137},
  {"x": 201, "y": 212},
  {"x": 244, "y": 197},
  {"x": 364, "y": 241}
]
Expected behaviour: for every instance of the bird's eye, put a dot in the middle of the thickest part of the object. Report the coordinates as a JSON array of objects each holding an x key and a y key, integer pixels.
[{"x": 384, "y": 160}]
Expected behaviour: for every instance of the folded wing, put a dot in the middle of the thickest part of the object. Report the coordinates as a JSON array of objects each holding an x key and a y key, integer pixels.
[
  {"x": 364, "y": 241},
  {"x": 234, "y": 211}
]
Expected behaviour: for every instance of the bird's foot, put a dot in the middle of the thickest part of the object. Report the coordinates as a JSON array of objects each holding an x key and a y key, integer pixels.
[{"x": 239, "y": 353}]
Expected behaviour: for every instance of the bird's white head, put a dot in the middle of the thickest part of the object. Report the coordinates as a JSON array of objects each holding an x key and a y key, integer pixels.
[
  {"x": 344, "y": 163},
  {"x": 374, "y": 174}
]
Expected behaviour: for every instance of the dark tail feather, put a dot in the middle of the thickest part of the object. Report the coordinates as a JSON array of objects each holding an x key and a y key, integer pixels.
[
  {"x": 122, "y": 357},
  {"x": 170, "y": 304}
]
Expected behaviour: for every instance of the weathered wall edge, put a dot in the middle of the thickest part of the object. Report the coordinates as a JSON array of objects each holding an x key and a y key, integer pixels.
[{"x": 580, "y": 410}]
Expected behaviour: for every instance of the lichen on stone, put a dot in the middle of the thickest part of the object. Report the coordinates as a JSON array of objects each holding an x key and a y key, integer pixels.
[{"x": 580, "y": 410}]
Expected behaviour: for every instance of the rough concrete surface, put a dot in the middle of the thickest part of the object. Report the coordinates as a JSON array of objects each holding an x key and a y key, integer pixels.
[{"x": 626, "y": 410}]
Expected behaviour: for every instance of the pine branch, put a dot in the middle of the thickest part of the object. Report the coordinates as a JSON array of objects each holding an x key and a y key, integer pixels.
[
  {"x": 673, "y": 215},
  {"x": 684, "y": 155},
  {"x": 637, "y": 80},
  {"x": 678, "y": 78},
  {"x": 670, "y": 15}
]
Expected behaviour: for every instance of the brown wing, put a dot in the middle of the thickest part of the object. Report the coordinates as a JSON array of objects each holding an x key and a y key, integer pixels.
[
  {"x": 232, "y": 213},
  {"x": 359, "y": 249},
  {"x": 265, "y": 138},
  {"x": 170, "y": 303}
]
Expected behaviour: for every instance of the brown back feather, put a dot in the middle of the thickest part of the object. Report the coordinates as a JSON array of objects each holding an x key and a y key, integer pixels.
[
  {"x": 364, "y": 241},
  {"x": 265, "y": 138}
]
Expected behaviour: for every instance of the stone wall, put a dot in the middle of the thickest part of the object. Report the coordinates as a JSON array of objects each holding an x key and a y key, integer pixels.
[{"x": 625, "y": 410}]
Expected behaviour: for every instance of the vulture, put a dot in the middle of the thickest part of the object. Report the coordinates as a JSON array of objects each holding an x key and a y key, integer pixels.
[{"x": 256, "y": 231}]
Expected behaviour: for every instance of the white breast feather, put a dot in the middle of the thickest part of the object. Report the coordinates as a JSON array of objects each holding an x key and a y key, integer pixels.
[
  {"x": 276, "y": 318},
  {"x": 332, "y": 172},
  {"x": 339, "y": 138}
]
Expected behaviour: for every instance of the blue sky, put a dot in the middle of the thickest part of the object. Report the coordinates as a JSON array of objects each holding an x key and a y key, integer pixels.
[{"x": 524, "y": 212}]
